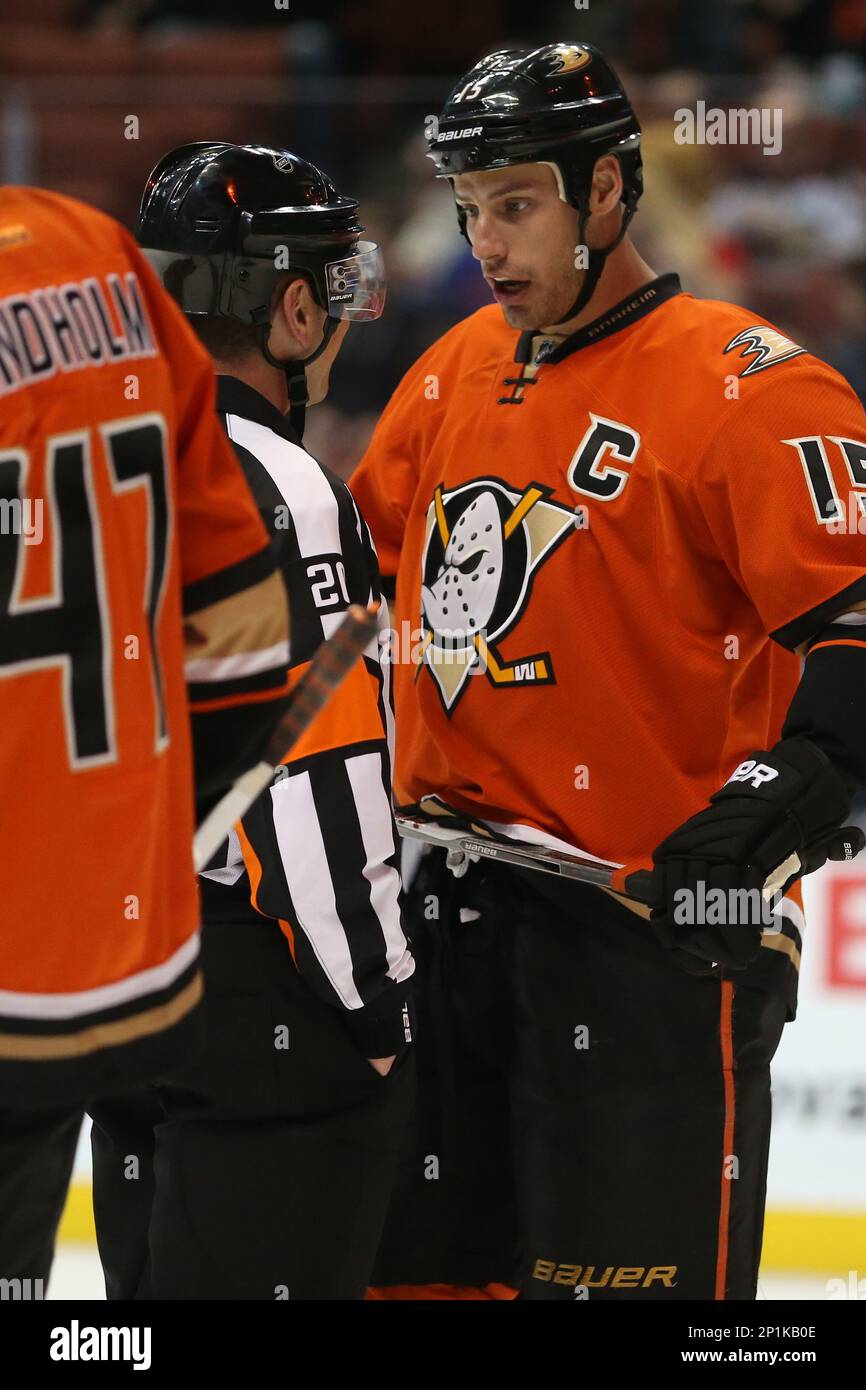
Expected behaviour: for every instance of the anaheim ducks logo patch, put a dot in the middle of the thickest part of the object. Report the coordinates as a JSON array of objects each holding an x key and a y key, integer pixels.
[
  {"x": 569, "y": 57},
  {"x": 767, "y": 345},
  {"x": 484, "y": 544}
]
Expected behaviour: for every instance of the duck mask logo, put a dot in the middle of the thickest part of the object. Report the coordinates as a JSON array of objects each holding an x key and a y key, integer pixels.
[{"x": 484, "y": 543}]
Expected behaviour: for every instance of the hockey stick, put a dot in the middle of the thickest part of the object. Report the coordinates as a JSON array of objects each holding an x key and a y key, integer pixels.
[
  {"x": 330, "y": 665},
  {"x": 415, "y": 825}
]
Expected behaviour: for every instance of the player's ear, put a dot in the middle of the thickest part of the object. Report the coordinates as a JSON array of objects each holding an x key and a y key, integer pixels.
[
  {"x": 298, "y": 315},
  {"x": 606, "y": 191}
]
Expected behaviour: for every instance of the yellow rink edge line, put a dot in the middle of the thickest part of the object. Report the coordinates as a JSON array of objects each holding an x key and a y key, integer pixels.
[
  {"x": 794, "y": 1238},
  {"x": 76, "y": 1223}
]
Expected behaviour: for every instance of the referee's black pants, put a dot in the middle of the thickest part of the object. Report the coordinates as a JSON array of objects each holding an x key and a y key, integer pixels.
[
  {"x": 592, "y": 1122},
  {"x": 263, "y": 1170}
]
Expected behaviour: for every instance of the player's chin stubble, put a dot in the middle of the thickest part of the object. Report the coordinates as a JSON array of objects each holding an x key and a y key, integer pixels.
[{"x": 545, "y": 310}]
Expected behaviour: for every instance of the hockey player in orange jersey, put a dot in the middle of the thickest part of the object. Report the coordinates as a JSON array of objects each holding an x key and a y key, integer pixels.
[
  {"x": 137, "y": 587},
  {"x": 614, "y": 514}
]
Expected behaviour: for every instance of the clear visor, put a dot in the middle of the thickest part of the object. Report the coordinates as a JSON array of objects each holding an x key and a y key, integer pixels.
[{"x": 356, "y": 284}]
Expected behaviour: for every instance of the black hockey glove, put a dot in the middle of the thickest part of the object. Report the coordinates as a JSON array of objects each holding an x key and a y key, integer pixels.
[{"x": 777, "y": 817}]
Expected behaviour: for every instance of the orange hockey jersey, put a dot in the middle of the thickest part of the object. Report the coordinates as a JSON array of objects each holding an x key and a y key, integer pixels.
[
  {"x": 118, "y": 494},
  {"x": 605, "y": 567}
]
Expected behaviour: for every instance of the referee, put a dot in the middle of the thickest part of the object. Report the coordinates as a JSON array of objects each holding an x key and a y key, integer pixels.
[{"x": 264, "y": 1170}]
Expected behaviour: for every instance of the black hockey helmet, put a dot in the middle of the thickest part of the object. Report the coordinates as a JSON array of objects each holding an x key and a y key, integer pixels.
[
  {"x": 562, "y": 105},
  {"x": 222, "y": 223}
]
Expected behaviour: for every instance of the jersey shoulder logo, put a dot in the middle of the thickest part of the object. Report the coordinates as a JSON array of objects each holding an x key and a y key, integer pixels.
[
  {"x": 484, "y": 543},
  {"x": 765, "y": 345}
]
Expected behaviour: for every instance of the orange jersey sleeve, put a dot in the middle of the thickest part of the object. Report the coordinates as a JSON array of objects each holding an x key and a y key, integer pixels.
[{"x": 782, "y": 485}]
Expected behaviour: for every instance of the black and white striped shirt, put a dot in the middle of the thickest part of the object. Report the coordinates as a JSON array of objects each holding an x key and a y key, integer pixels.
[{"x": 320, "y": 853}]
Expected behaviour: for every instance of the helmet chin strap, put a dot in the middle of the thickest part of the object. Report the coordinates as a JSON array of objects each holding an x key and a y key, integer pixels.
[
  {"x": 597, "y": 259},
  {"x": 296, "y": 370}
]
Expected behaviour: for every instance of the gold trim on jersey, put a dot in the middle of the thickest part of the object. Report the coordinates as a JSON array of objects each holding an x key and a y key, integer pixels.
[
  {"x": 244, "y": 623},
  {"x": 93, "y": 1038},
  {"x": 505, "y": 673},
  {"x": 441, "y": 523},
  {"x": 785, "y": 944}
]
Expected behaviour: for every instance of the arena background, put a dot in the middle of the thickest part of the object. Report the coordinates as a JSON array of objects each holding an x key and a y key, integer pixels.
[{"x": 92, "y": 92}]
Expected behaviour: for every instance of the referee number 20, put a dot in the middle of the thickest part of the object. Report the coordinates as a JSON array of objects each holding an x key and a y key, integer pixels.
[{"x": 328, "y": 583}]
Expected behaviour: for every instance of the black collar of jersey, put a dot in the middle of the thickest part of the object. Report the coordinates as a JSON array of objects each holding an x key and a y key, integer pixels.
[
  {"x": 235, "y": 397},
  {"x": 635, "y": 306}
]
